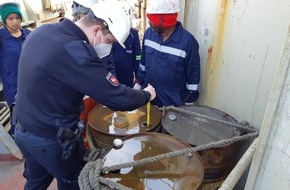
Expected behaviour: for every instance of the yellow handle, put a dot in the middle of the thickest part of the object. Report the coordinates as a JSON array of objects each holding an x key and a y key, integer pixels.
[{"x": 148, "y": 113}]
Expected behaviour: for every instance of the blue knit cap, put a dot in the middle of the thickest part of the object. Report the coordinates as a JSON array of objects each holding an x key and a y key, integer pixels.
[{"x": 8, "y": 9}]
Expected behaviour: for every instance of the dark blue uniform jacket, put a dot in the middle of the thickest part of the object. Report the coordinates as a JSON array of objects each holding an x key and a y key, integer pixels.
[
  {"x": 127, "y": 60},
  {"x": 10, "y": 49},
  {"x": 57, "y": 68}
]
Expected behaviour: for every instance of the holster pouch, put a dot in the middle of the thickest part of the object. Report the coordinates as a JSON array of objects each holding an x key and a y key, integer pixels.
[{"x": 69, "y": 141}]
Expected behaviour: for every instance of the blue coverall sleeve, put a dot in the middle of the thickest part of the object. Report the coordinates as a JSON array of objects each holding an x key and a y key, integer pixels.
[
  {"x": 137, "y": 52},
  {"x": 192, "y": 72},
  {"x": 142, "y": 70}
]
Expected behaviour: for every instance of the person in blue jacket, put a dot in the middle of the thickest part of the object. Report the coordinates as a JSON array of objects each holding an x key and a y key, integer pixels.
[
  {"x": 170, "y": 57},
  {"x": 12, "y": 37},
  {"x": 59, "y": 64},
  {"x": 127, "y": 59}
]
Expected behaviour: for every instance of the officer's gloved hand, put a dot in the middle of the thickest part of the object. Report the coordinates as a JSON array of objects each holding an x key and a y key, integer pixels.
[
  {"x": 151, "y": 90},
  {"x": 137, "y": 86}
]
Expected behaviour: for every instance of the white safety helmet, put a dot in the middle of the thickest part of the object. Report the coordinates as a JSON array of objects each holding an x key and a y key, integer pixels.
[
  {"x": 163, "y": 7},
  {"x": 125, "y": 5},
  {"x": 117, "y": 18},
  {"x": 128, "y": 9},
  {"x": 15, "y": 2},
  {"x": 85, "y": 3}
]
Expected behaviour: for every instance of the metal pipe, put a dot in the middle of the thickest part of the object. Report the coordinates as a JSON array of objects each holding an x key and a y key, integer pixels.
[{"x": 232, "y": 179}]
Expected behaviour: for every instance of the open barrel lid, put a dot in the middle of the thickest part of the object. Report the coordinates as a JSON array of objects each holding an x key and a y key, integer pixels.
[
  {"x": 180, "y": 172},
  {"x": 122, "y": 123},
  {"x": 197, "y": 130}
]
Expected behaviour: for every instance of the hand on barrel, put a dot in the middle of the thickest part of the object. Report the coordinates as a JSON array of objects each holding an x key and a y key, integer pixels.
[{"x": 151, "y": 90}]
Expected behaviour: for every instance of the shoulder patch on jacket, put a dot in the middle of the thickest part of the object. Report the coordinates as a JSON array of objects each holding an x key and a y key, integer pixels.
[{"x": 112, "y": 79}]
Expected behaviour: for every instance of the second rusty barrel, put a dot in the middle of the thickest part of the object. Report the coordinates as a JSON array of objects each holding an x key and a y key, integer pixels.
[{"x": 194, "y": 130}]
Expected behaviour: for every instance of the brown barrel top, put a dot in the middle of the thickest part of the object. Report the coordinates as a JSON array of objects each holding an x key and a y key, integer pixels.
[
  {"x": 120, "y": 124},
  {"x": 180, "y": 172}
]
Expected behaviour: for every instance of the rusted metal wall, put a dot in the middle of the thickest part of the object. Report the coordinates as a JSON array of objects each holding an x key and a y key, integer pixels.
[{"x": 240, "y": 44}]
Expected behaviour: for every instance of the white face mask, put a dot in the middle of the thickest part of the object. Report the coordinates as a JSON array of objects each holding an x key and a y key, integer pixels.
[{"x": 102, "y": 49}]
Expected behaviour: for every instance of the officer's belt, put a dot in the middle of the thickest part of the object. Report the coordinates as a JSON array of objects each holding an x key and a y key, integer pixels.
[{"x": 50, "y": 135}]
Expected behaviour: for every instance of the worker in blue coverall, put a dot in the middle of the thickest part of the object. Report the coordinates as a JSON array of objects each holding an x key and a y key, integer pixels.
[
  {"x": 12, "y": 37},
  {"x": 59, "y": 64},
  {"x": 127, "y": 59},
  {"x": 170, "y": 59}
]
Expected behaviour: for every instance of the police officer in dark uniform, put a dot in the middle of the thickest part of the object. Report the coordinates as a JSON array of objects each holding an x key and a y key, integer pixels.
[{"x": 59, "y": 64}]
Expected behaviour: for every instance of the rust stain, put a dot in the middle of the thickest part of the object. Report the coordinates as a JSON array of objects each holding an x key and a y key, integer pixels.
[
  {"x": 214, "y": 60},
  {"x": 207, "y": 66}
]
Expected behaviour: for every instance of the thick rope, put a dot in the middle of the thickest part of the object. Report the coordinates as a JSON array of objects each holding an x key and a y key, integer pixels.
[
  {"x": 90, "y": 178},
  {"x": 94, "y": 153}
]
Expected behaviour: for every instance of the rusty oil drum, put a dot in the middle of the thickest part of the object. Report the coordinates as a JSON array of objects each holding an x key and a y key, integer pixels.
[
  {"x": 184, "y": 172},
  {"x": 218, "y": 162},
  {"x": 105, "y": 125}
]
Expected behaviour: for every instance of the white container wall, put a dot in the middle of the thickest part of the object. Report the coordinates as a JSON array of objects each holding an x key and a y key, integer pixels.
[
  {"x": 241, "y": 48},
  {"x": 240, "y": 43},
  {"x": 270, "y": 167}
]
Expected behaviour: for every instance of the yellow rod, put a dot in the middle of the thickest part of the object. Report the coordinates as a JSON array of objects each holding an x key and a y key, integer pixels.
[{"x": 148, "y": 113}]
